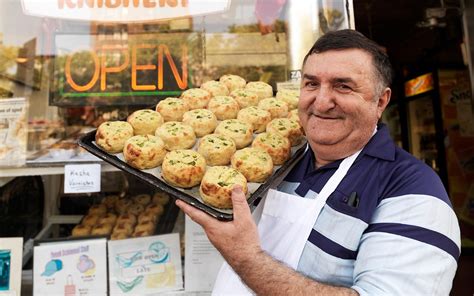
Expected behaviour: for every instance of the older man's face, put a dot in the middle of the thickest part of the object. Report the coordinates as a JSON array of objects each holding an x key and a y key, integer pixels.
[{"x": 338, "y": 106}]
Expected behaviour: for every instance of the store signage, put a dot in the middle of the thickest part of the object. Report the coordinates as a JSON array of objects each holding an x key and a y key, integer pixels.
[
  {"x": 82, "y": 178},
  {"x": 145, "y": 266},
  {"x": 70, "y": 268},
  {"x": 138, "y": 69},
  {"x": 13, "y": 131},
  {"x": 199, "y": 253},
  {"x": 122, "y": 10},
  {"x": 419, "y": 85},
  {"x": 11, "y": 256}
]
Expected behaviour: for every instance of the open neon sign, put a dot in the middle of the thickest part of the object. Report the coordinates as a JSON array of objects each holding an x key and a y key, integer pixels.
[{"x": 137, "y": 71}]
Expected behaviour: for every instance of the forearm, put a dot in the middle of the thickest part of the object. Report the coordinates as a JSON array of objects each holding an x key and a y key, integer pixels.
[{"x": 267, "y": 276}]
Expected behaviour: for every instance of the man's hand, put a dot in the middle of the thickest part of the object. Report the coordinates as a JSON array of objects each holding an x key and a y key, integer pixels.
[{"x": 236, "y": 240}]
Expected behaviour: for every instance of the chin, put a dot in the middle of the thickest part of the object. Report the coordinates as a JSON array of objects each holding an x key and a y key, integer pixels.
[{"x": 325, "y": 139}]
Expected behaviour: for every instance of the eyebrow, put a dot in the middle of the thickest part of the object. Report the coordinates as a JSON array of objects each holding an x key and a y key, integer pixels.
[
  {"x": 333, "y": 80},
  {"x": 309, "y": 77},
  {"x": 343, "y": 80}
]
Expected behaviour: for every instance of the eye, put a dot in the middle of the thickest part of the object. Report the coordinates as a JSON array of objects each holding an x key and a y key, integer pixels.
[
  {"x": 343, "y": 88},
  {"x": 311, "y": 84}
]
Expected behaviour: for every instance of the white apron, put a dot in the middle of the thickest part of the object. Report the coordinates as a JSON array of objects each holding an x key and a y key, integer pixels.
[{"x": 284, "y": 227}]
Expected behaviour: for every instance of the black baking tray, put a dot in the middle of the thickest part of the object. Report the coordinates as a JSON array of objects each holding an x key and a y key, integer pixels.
[{"x": 87, "y": 142}]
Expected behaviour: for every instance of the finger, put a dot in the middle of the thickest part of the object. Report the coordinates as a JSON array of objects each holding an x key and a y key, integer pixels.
[
  {"x": 195, "y": 214},
  {"x": 239, "y": 203}
]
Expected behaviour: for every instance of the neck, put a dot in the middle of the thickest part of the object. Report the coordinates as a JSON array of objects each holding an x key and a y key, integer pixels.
[{"x": 325, "y": 154}]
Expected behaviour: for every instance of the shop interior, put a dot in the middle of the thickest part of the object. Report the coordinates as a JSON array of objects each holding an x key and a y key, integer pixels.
[{"x": 427, "y": 37}]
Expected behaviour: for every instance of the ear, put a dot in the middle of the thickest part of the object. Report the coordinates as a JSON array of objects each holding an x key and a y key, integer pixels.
[{"x": 383, "y": 101}]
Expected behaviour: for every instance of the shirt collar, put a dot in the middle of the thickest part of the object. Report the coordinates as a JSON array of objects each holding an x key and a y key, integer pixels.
[{"x": 381, "y": 144}]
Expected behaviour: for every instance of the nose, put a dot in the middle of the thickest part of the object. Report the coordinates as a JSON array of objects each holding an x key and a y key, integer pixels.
[{"x": 325, "y": 99}]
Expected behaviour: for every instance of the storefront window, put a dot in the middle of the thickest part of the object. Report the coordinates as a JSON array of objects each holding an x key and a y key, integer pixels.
[{"x": 77, "y": 63}]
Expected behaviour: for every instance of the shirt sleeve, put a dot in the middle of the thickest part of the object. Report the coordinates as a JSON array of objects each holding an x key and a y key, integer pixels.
[{"x": 410, "y": 247}]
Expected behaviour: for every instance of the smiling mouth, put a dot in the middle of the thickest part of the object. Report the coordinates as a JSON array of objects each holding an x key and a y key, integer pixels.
[{"x": 325, "y": 117}]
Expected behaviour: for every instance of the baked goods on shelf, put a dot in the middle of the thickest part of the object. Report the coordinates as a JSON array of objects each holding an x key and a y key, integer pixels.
[
  {"x": 118, "y": 235},
  {"x": 108, "y": 218},
  {"x": 122, "y": 205},
  {"x": 176, "y": 135},
  {"x": 217, "y": 183},
  {"x": 147, "y": 217},
  {"x": 262, "y": 89},
  {"x": 144, "y": 199},
  {"x": 288, "y": 128},
  {"x": 124, "y": 218},
  {"x": 276, "y": 145},
  {"x": 172, "y": 109},
  {"x": 109, "y": 201},
  {"x": 90, "y": 220},
  {"x": 102, "y": 229},
  {"x": 255, "y": 164},
  {"x": 216, "y": 88},
  {"x": 127, "y": 219},
  {"x": 196, "y": 98},
  {"x": 123, "y": 228},
  {"x": 258, "y": 118},
  {"x": 224, "y": 107},
  {"x": 245, "y": 98},
  {"x": 202, "y": 121},
  {"x": 183, "y": 168},
  {"x": 216, "y": 149},
  {"x": 98, "y": 209},
  {"x": 81, "y": 230},
  {"x": 145, "y": 121},
  {"x": 277, "y": 108},
  {"x": 144, "y": 151},
  {"x": 156, "y": 209},
  {"x": 112, "y": 135},
  {"x": 146, "y": 227},
  {"x": 232, "y": 82},
  {"x": 161, "y": 198},
  {"x": 240, "y": 132},
  {"x": 135, "y": 209}
]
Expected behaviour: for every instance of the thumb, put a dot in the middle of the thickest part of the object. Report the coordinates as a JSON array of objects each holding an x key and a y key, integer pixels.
[{"x": 239, "y": 202}]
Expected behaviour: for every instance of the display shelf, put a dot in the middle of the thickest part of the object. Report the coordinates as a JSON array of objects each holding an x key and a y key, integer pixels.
[{"x": 56, "y": 169}]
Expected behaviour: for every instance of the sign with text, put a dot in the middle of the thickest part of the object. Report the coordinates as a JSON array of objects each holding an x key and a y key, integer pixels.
[
  {"x": 126, "y": 69},
  {"x": 419, "y": 85},
  {"x": 202, "y": 260},
  {"x": 122, "y": 10},
  {"x": 11, "y": 255},
  {"x": 13, "y": 131},
  {"x": 70, "y": 268},
  {"x": 145, "y": 266},
  {"x": 82, "y": 178}
]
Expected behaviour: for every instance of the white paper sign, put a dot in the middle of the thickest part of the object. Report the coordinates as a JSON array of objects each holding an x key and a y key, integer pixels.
[
  {"x": 146, "y": 265},
  {"x": 13, "y": 131},
  {"x": 202, "y": 260},
  {"x": 11, "y": 255},
  {"x": 82, "y": 178},
  {"x": 70, "y": 268},
  {"x": 122, "y": 11}
]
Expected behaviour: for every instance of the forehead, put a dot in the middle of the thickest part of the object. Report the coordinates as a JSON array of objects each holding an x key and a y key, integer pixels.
[{"x": 340, "y": 63}]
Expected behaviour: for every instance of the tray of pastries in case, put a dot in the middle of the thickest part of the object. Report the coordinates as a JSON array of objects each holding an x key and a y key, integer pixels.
[
  {"x": 198, "y": 146},
  {"x": 125, "y": 217}
]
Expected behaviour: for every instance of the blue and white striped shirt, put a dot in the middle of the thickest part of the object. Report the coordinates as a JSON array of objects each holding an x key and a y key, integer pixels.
[{"x": 401, "y": 237}]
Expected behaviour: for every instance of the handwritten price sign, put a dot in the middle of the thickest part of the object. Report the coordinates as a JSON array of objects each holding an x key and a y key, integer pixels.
[{"x": 82, "y": 178}]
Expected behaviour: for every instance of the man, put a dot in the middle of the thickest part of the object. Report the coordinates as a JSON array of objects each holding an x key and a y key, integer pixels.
[{"x": 387, "y": 226}]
